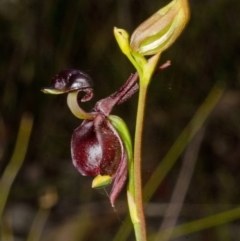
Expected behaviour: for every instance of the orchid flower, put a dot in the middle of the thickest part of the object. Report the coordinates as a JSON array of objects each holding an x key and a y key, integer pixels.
[{"x": 97, "y": 147}]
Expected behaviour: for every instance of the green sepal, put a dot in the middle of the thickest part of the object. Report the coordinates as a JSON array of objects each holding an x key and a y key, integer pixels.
[{"x": 122, "y": 130}]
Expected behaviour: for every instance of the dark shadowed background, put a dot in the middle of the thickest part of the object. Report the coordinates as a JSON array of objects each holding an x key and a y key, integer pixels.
[{"x": 40, "y": 38}]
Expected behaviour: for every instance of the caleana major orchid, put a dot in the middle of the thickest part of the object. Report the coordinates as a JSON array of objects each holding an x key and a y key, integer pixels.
[{"x": 101, "y": 145}]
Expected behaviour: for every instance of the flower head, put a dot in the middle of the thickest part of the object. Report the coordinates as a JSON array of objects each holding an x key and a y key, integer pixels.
[{"x": 97, "y": 148}]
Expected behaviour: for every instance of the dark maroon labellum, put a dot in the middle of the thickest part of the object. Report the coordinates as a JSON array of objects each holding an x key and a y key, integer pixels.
[
  {"x": 86, "y": 150},
  {"x": 97, "y": 149}
]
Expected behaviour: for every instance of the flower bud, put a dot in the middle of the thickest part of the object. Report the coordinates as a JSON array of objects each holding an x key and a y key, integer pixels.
[{"x": 159, "y": 31}]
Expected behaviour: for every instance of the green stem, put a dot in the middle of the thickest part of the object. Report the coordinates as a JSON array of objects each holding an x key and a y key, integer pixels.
[
  {"x": 140, "y": 227},
  {"x": 138, "y": 220}
]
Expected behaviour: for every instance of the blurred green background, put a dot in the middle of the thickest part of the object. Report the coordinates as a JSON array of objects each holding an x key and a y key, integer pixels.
[{"x": 40, "y": 38}]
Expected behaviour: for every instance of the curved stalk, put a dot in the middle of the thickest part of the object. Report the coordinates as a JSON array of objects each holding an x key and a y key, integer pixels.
[{"x": 73, "y": 105}]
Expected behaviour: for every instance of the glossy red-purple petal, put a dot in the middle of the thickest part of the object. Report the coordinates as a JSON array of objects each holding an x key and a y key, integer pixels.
[
  {"x": 86, "y": 149},
  {"x": 106, "y": 105},
  {"x": 114, "y": 160},
  {"x": 120, "y": 175},
  {"x": 110, "y": 145},
  {"x": 119, "y": 178},
  {"x": 97, "y": 149}
]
